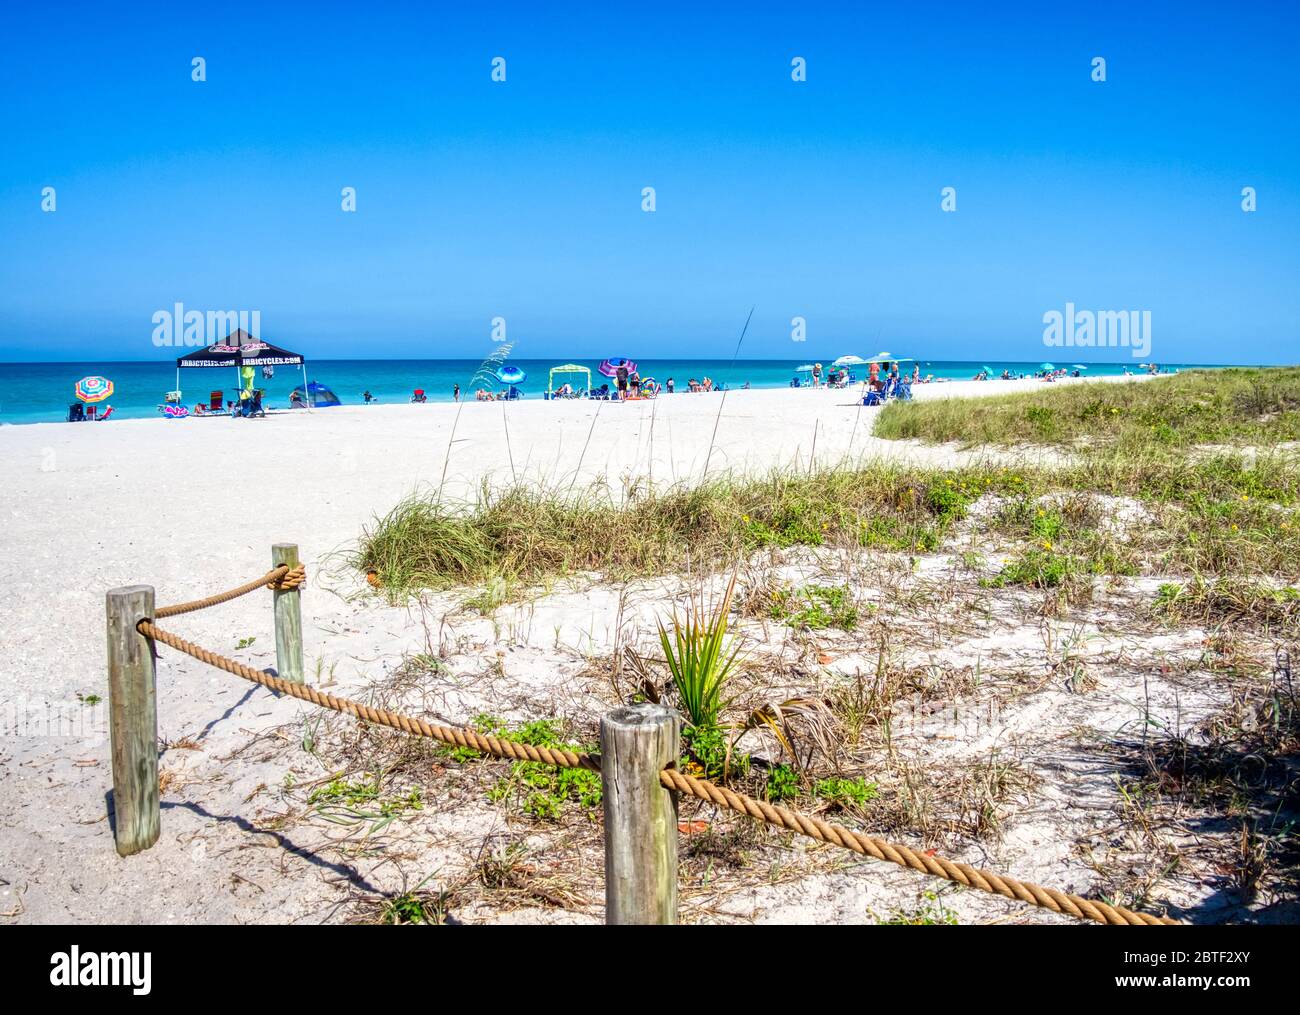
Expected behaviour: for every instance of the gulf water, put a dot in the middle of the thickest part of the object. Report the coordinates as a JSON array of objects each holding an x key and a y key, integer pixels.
[{"x": 42, "y": 392}]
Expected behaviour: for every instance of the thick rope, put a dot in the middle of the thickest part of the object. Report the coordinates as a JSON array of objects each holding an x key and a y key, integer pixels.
[
  {"x": 679, "y": 782},
  {"x": 280, "y": 579},
  {"x": 878, "y": 849}
]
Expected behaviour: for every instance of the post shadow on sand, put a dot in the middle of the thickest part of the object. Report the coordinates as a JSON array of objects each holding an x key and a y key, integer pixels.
[
  {"x": 111, "y": 810},
  {"x": 351, "y": 874}
]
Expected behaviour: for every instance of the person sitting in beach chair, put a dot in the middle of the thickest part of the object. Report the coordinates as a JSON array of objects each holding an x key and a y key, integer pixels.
[
  {"x": 76, "y": 413},
  {"x": 108, "y": 411},
  {"x": 418, "y": 395}
]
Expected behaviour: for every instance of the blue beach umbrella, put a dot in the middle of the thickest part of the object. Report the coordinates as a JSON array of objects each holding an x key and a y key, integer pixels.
[
  {"x": 511, "y": 375},
  {"x": 1047, "y": 366}
]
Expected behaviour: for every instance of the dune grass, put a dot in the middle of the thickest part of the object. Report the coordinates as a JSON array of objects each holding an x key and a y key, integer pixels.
[
  {"x": 1211, "y": 516},
  {"x": 1240, "y": 406}
]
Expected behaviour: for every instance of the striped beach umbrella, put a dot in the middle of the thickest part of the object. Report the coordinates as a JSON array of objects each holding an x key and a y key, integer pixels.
[
  {"x": 609, "y": 367},
  {"x": 94, "y": 389}
]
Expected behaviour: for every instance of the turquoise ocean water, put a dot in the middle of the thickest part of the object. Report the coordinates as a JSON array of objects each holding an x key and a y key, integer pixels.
[{"x": 42, "y": 392}]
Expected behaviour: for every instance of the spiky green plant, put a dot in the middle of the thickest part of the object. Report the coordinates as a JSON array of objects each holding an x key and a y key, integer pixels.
[{"x": 701, "y": 657}]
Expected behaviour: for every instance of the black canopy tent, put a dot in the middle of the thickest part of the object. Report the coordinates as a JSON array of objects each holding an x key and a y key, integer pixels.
[{"x": 240, "y": 349}]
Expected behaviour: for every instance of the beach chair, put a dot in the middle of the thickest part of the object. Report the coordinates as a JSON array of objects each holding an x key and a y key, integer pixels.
[
  {"x": 873, "y": 397},
  {"x": 76, "y": 413},
  {"x": 90, "y": 412},
  {"x": 216, "y": 401}
]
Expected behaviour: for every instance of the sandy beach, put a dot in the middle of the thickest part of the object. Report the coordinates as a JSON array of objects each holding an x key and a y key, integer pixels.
[{"x": 193, "y": 507}]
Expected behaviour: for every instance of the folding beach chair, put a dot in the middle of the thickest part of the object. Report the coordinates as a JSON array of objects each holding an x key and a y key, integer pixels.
[{"x": 215, "y": 401}]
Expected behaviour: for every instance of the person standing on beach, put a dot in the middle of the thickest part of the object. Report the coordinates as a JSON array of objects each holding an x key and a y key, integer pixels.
[
  {"x": 670, "y": 385},
  {"x": 817, "y": 375},
  {"x": 455, "y": 392},
  {"x": 621, "y": 378}
]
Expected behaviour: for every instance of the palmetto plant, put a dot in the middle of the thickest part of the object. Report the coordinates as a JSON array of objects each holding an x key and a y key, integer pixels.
[{"x": 701, "y": 657}]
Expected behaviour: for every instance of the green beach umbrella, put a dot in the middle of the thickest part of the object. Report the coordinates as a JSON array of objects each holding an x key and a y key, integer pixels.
[{"x": 1047, "y": 366}]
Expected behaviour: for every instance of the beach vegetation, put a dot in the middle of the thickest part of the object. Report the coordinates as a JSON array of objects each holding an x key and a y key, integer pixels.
[
  {"x": 700, "y": 656},
  {"x": 1238, "y": 406},
  {"x": 783, "y": 783},
  {"x": 1230, "y": 599},
  {"x": 545, "y": 791},
  {"x": 845, "y": 794},
  {"x": 815, "y": 607}
]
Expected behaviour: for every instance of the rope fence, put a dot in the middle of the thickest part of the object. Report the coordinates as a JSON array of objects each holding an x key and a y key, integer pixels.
[{"x": 633, "y": 893}]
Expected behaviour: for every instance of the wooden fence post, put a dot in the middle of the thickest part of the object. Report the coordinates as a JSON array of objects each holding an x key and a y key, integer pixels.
[
  {"x": 133, "y": 719},
  {"x": 288, "y": 619},
  {"x": 636, "y": 742}
]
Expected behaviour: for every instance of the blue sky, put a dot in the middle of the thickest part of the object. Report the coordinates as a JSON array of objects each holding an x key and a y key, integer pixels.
[{"x": 522, "y": 199}]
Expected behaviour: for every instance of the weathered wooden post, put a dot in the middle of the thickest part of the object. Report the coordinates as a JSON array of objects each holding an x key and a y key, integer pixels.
[
  {"x": 133, "y": 719},
  {"x": 636, "y": 742},
  {"x": 288, "y": 619}
]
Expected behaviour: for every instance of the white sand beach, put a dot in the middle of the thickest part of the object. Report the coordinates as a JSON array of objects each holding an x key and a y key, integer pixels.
[{"x": 193, "y": 506}]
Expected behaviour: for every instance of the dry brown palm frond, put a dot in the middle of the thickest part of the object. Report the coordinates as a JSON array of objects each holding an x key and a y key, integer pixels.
[{"x": 794, "y": 723}]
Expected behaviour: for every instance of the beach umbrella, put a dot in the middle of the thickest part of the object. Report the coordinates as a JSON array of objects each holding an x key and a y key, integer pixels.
[
  {"x": 849, "y": 361},
  {"x": 511, "y": 375},
  {"x": 1080, "y": 366},
  {"x": 987, "y": 369},
  {"x": 94, "y": 389},
  {"x": 1047, "y": 366},
  {"x": 882, "y": 355},
  {"x": 609, "y": 367}
]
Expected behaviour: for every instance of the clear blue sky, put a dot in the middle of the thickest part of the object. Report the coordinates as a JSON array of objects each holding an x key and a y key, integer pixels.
[{"x": 523, "y": 200}]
